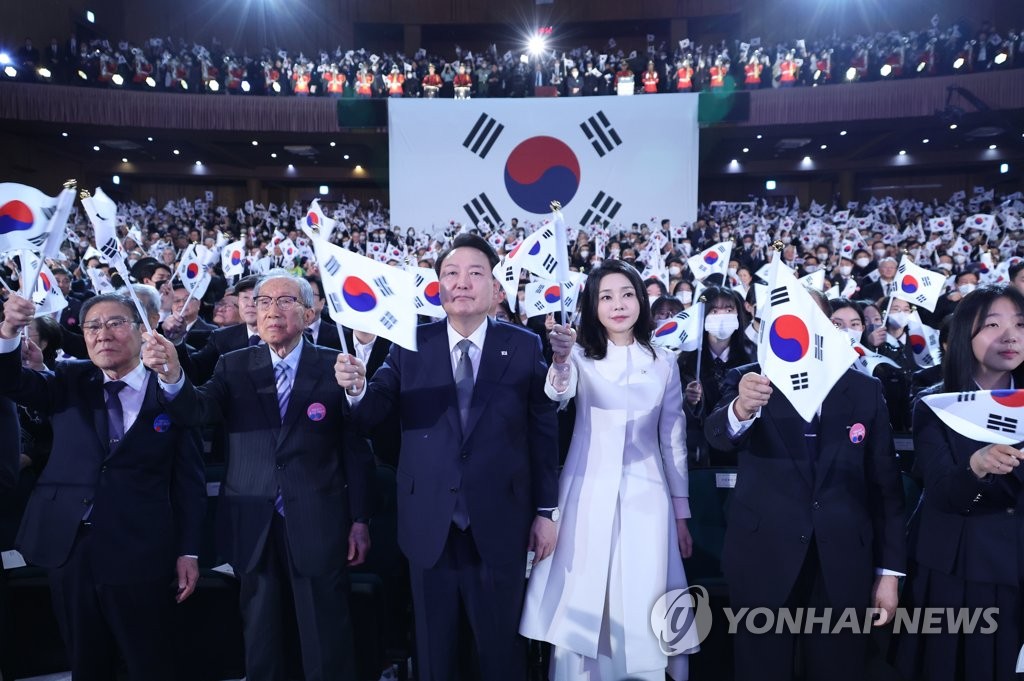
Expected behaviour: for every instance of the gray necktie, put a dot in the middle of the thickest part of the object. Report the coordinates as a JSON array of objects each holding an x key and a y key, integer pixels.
[{"x": 464, "y": 381}]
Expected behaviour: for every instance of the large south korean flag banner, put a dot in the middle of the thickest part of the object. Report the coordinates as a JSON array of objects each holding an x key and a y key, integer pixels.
[{"x": 608, "y": 160}]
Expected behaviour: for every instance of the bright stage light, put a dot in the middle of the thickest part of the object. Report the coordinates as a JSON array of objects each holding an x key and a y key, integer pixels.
[
  {"x": 117, "y": 79},
  {"x": 536, "y": 45},
  {"x": 10, "y": 72},
  {"x": 245, "y": 86},
  {"x": 213, "y": 85},
  {"x": 958, "y": 63},
  {"x": 851, "y": 73},
  {"x": 5, "y": 59},
  {"x": 885, "y": 70}
]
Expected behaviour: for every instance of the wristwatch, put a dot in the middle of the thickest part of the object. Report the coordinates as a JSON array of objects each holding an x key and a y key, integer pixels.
[{"x": 552, "y": 514}]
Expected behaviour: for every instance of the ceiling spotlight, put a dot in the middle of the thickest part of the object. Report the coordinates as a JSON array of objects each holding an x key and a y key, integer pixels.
[
  {"x": 124, "y": 160},
  {"x": 769, "y": 185},
  {"x": 991, "y": 147},
  {"x": 807, "y": 159},
  {"x": 746, "y": 149},
  {"x": 535, "y": 45},
  {"x": 255, "y": 143},
  {"x": 824, "y": 146},
  {"x": 333, "y": 144},
  {"x": 925, "y": 141},
  {"x": 149, "y": 139},
  {"x": 63, "y": 134},
  {"x": 760, "y": 136},
  {"x": 323, "y": 190},
  {"x": 95, "y": 147},
  {"x": 116, "y": 179},
  {"x": 903, "y": 152},
  {"x": 952, "y": 126},
  {"x": 359, "y": 169},
  {"x": 842, "y": 133},
  {"x": 1004, "y": 168},
  {"x": 291, "y": 166},
  {"x": 273, "y": 155},
  {"x": 734, "y": 163},
  {"x": 176, "y": 152},
  {"x": 345, "y": 157},
  {"x": 199, "y": 163},
  {"x": 5, "y": 59}
]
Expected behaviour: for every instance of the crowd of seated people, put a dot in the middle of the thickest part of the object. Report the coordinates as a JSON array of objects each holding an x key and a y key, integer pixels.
[{"x": 754, "y": 62}]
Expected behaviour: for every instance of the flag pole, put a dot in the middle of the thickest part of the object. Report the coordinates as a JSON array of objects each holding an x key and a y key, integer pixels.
[
  {"x": 563, "y": 254},
  {"x": 700, "y": 346},
  {"x": 778, "y": 247}
]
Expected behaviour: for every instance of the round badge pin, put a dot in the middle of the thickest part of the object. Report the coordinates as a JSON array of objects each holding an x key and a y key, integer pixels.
[
  {"x": 316, "y": 412},
  {"x": 857, "y": 433},
  {"x": 162, "y": 423}
]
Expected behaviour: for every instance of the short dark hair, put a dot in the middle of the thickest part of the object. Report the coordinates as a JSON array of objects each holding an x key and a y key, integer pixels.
[
  {"x": 246, "y": 284},
  {"x": 1011, "y": 273},
  {"x": 593, "y": 337},
  {"x": 468, "y": 241},
  {"x": 958, "y": 366},
  {"x": 121, "y": 300},
  {"x": 314, "y": 280},
  {"x": 146, "y": 268}
]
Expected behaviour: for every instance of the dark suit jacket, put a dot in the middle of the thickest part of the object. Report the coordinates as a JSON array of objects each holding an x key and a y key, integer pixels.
[
  {"x": 10, "y": 444},
  {"x": 386, "y": 436},
  {"x": 851, "y": 503},
  {"x": 200, "y": 333},
  {"x": 148, "y": 496},
  {"x": 966, "y": 527},
  {"x": 328, "y": 336},
  {"x": 198, "y": 365},
  {"x": 324, "y": 471},
  {"x": 507, "y": 461}
]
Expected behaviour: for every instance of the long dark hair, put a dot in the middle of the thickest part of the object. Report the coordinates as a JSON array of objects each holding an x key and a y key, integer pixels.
[
  {"x": 592, "y": 336},
  {"x": 959, "y": 364}
]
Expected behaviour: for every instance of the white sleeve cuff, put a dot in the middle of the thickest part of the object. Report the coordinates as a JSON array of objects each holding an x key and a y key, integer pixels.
[
  {"x": 737, "y": 427},
  {"x": 172, "y": 389}
]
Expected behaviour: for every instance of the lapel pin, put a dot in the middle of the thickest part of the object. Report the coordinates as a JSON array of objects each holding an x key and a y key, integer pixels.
[{"x": 504, "y": 353}]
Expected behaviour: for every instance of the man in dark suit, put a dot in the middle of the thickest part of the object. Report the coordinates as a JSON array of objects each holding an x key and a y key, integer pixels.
[
  {"x": 197, "y": 330},
  {"x": 373, "y": 351},
  {"x": 10, "y": 464},
  {"x": 816, "y": 518},
  {"x": 477, "y": 477},
  {"x": 118, "y": 510},
  {"x": 322, "y": 331},
  {"x": 295, "y": 501}
]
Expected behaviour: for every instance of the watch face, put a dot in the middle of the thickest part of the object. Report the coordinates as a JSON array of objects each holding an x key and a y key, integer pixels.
[{"x": 555, "y": 515}]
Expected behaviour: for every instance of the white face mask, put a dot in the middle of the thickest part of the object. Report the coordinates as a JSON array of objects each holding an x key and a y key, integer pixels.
[
  {"x": 685, "y": 297},
  {"x": 964, "y": 289},
  {"x": 823, "y": 256},
  {"x": 880, "y": 253},
  {"x": 810, "y": 268},
  {"x": 732, "y": 271},
  {"x": 854, "y": 335},
  {"x": 845, "y": 270},
  {"x": 613, "y": 253},
  {"x": 862, "y": 262},
  {"x": 675, "y": 271},
  {"x": 945, "y": 266},
  {"x": 584, "y": 254},
  {"x": 960, "y": 259},
  {"x": 898, "y": 320},
  {"x": 687, "y": 248},
  {"x": 721, "y": 326}
]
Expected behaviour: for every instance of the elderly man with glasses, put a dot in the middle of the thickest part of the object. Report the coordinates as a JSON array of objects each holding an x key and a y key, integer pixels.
[
  {"x": 296, "y": 496},
  {"x": 117, "y": 513}
]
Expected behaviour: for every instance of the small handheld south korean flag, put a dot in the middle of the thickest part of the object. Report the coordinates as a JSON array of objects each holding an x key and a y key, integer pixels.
[
  {"x": 713, "y": 260},
  {"x": 232, "y": 259},
  {"x": 547, "y": 297},
  {"x": 538, "y": 253},
  {"x": 682, "y": 332},
  {"x": 47, "y": 295},
  {"x": 428, "y": 292},
  {"x": 917, "y": 285},
  {"x": 366, "y": 295},
  {"x": 799, "y": 349},
  {"x": 993, "y": 416},
  {"x": 192, "y": 271}
]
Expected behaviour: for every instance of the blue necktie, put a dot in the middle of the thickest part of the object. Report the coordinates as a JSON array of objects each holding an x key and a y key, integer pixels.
[
  {"x": 115, "y": 412},
  {"x": 464, "y": 393},
  {"x": 254, "y": 341},
  {"x": 284, "y": 391}
]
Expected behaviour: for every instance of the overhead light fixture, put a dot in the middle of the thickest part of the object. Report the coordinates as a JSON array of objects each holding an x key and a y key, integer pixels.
[
  {"x": 734, "y": 163},
  {"x": 903, "y": 152},
  {"x": 273, "y": 155},
  {"x": 90, "y": 17},
  {"x": 5, "y": 59},
  {"x": 199, "y": 163},
  {"x": 291, "y": 166},
  {"x": 769, "y": 185},
  {"x": 759, "y": 136},
  {"x": 255, "y": 143},
  {"x": 149, "y": 139},
  {"x": 1004, "y": 168},
  {"x": 116, "y": 179},
  {"x": 176, "y": 152},
  {"x": 334, "y": 144},
  {"x": 842, "y": 133},
  {"x": 323, "y": 190},
  {"x": 952, "y": 126},
  {"x": 746, "y": 149},
  {"x": 124, "y": 160},
  {"x": 535, "y": 45},
  {"x": 63, "y": 134},
  {"x": 824, "y": 146},
  {"x": 925, "y": 141},
  {"x": 807, "y": 160},
  {"x": 95, "y": 147},
  {"x": 345, "y": 157},
  {"x": 991, "y": 147},
  {"x": 359, "y": 169}
]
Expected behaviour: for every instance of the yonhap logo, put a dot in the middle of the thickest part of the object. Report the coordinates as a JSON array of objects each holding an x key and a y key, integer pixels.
[{"x": 681, "y": 619}]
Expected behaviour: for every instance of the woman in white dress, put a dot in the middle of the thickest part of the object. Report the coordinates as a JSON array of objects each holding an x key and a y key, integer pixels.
[{"x": 623, "y": 494}]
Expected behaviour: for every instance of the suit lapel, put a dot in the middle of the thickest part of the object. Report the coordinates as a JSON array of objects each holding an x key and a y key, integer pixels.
[
  {"x": 261, "y": 377},
  {"x": 306, "y": 379},
  {"x": 833, "y": 432},
  {"x": 495, "y": 358},
  {"x": 96, "y": 404},
  {"x": 144, "y": 419},
  {"x": 439, "y": 370}
]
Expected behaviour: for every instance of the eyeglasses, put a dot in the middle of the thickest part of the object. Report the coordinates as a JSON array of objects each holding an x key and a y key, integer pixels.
[
  {"x": 112, "y": 324},
  {"x": 221, "y": 305},
  {"x": 284, "y": 303}
]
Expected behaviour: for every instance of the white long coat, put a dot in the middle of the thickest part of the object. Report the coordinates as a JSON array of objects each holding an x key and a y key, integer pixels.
[{"x": 628, "y": 452}]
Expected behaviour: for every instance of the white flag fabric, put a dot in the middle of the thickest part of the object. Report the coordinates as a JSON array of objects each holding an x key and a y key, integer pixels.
[
  {"x": 102, "y": 212},
  {"x": 712, "y": 260},
  {"x": 940, "y": 224},
  {"x": 318, "y": 222},
  {"x": 917, "y": 285},
  {"x": 47, "y": 295},
  {"x": 544, "y": 297},
  {"x": 683, "y": 331},
  {"x": 288, "y": 249},
  {"x": 192, "y": 271},
  {"x": 538, "y": 253},
  {"x": 25, "y": 214},
  {"x": 366, "y": 295},
  {"x": 232, "y": 259},
  {"x": 980, "y": 222},
  {"x": 868, "y": 360},
  {"x": 993, "y": 416},
  {"x": 799, "y": 349},
  {"x": 924, "y": 342},
  {"x": 507, "y": 274},
  {"x": 428, "y": 293},
  {"x": 815, "y": 280},
  {"x": 100, "y": 281},
  {"x": 506, "y": 158}
]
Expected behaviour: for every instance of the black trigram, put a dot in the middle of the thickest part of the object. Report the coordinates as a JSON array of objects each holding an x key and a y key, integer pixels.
[
  {"x": 38, "y": 240},
  {"x": 600, "y": 133},
  {"x": 331, "y": 266},
  {"x": 922, "y": 298},
  {"x": 800, "y": 381},
  {"x": 780, "y": 296},
  {"x": 419, "y": 280},
  {"x": 483, "y": 135},
  {"x": 819, "y": 347},
  {"x": 547, "y": 233},
  {"x": 1004, "y": 424},
  {"x": 382, "y": 286},
  {"x": 539, "y": 305},
  {"x": 549, "y": 263},
  {"x": 335, "y": 300},
  {"x": 603, "y": 210},
  {"x": 418, "y": 302},
  {"x": 510, "y": 274},
  {"x": 966, "y": 397},
  {"x": 480, "y": 209},
  {"x": 926, "y": 282},
  {"x": 388, "y": 320},
  {"x": 109, "y": 249}
]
